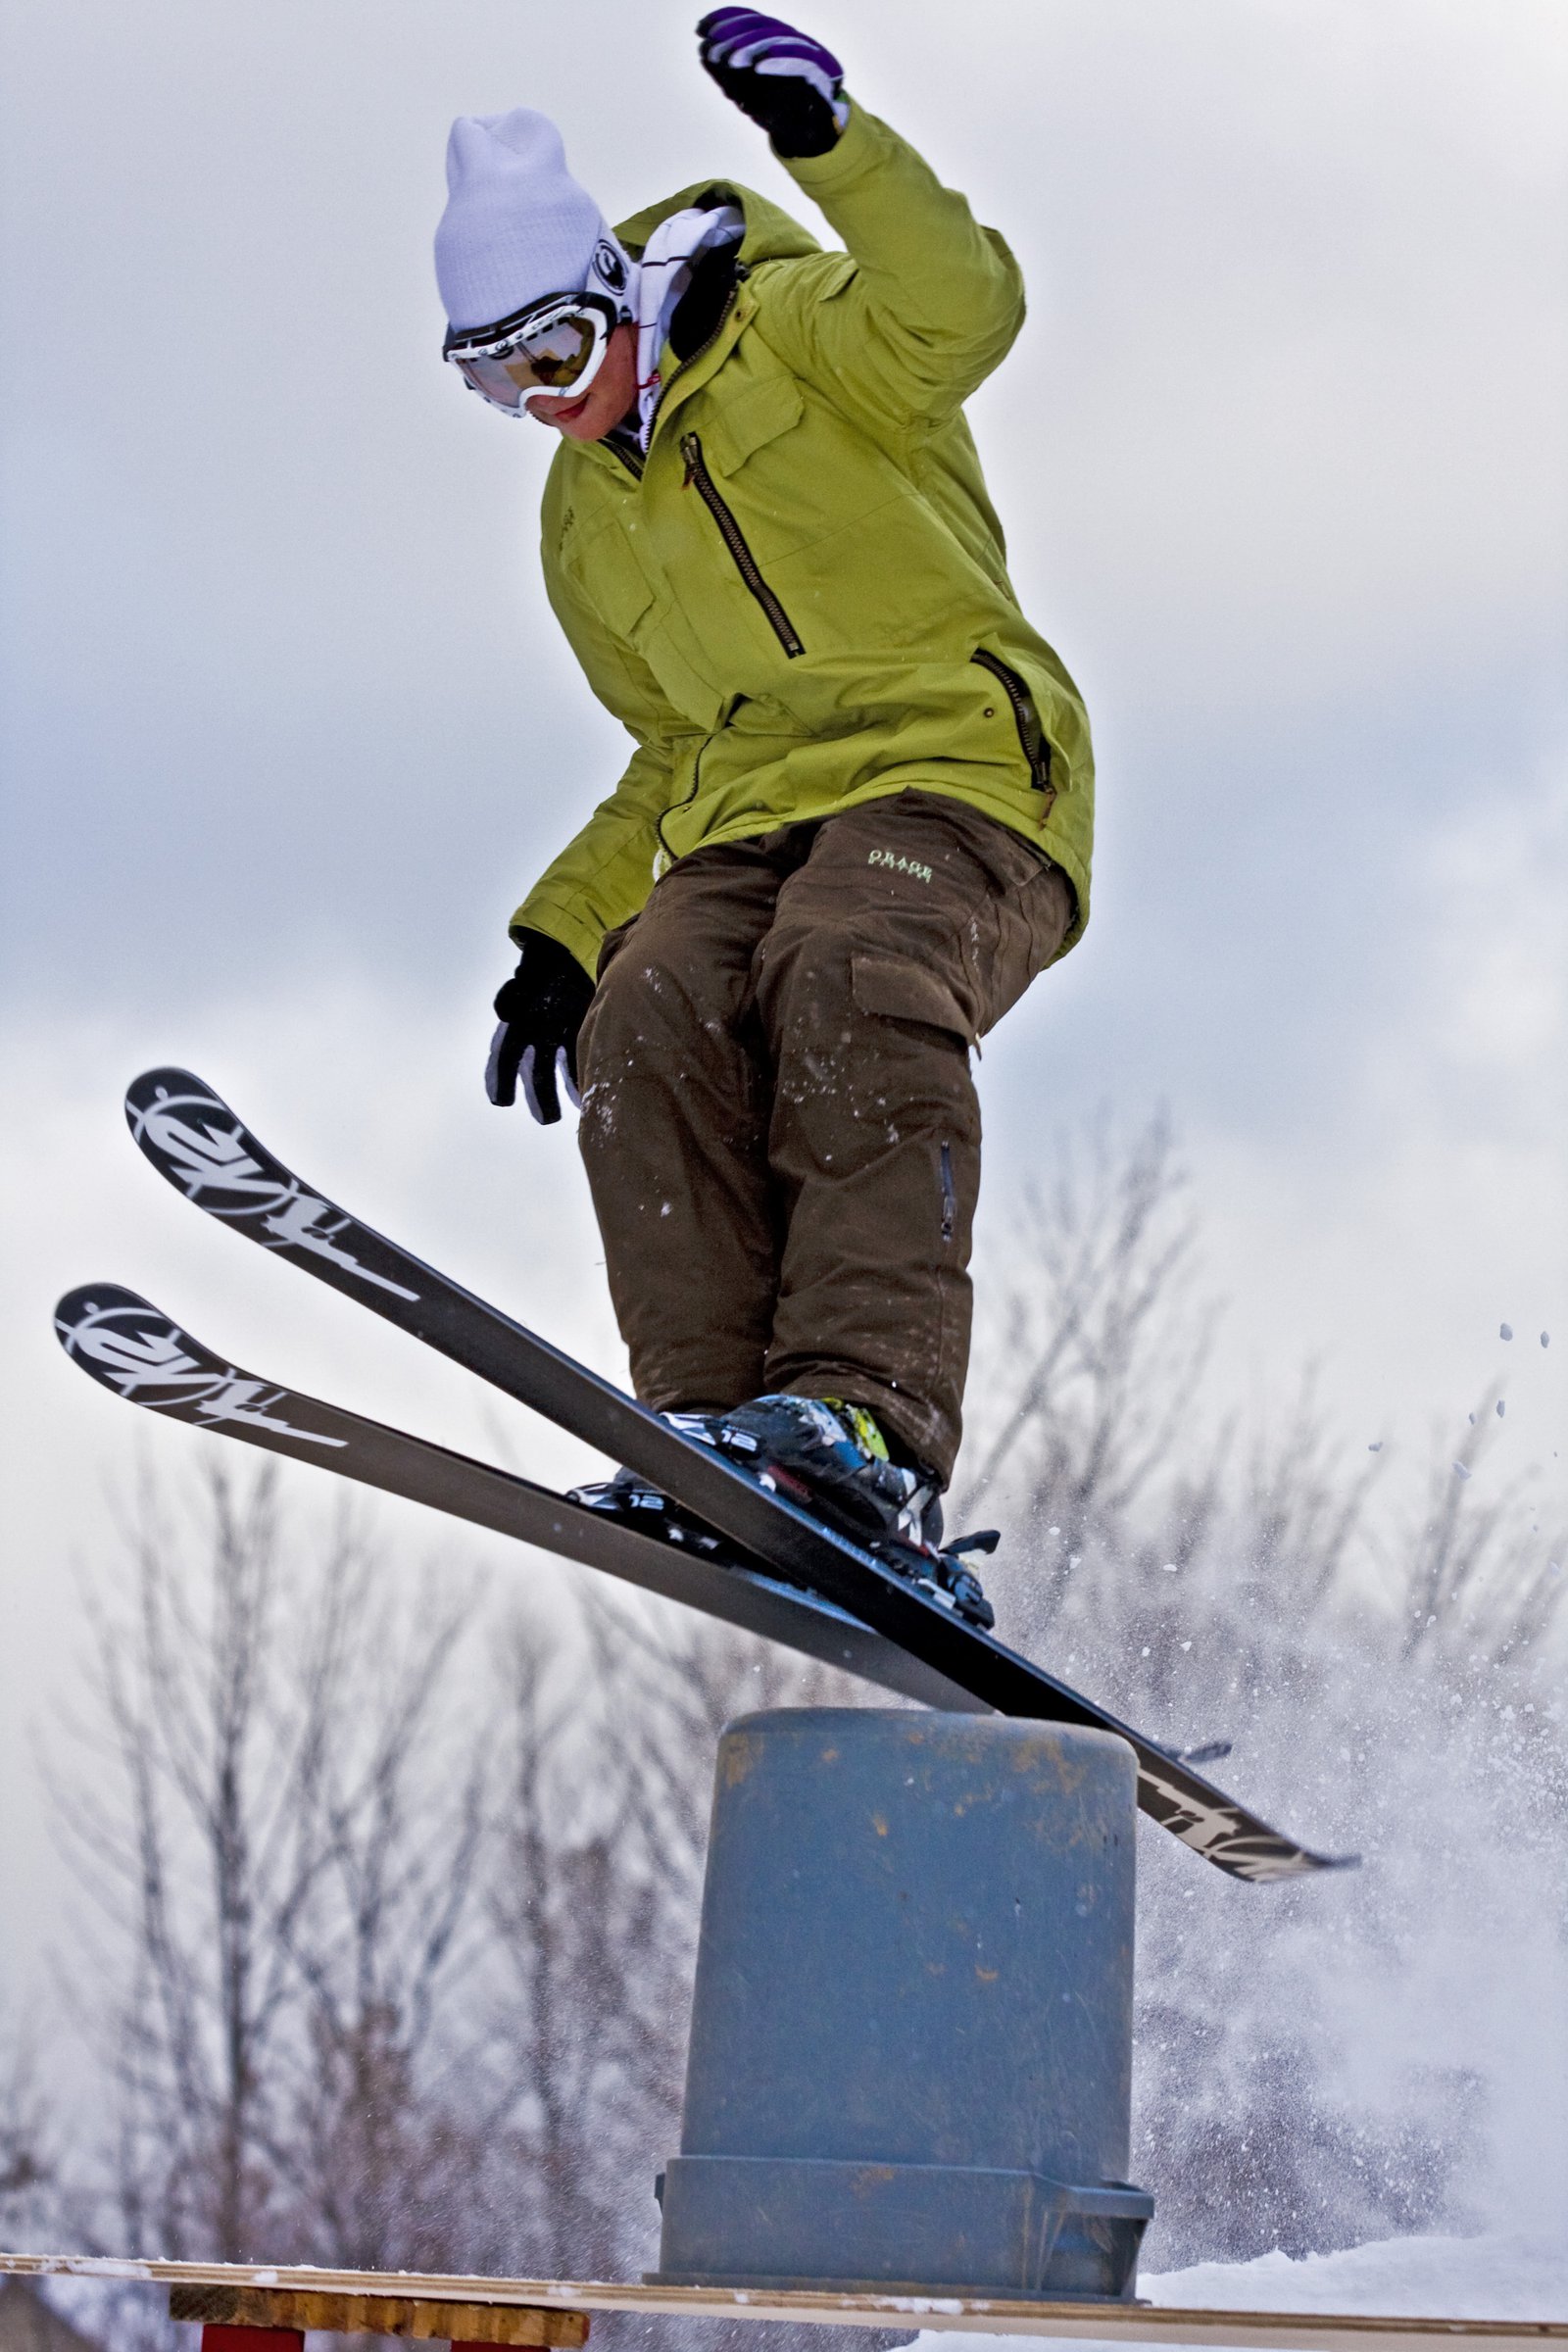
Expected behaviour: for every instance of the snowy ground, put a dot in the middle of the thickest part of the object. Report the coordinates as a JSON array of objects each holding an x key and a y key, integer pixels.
[{"x": 1428, "y": 2277}]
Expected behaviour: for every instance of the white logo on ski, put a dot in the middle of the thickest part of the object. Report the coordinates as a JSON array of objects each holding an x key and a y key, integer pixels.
[
  {"x": 219, "y": 1159},
  {"x": 1213, "y": 1830},
  {"x": 156, "y": 1360}
]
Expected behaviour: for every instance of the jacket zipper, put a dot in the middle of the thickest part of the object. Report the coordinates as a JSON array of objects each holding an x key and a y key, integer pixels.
[
  {"x": 1026, "y": 718},
  {"x": 676, "y": 806},
  {"x": 742, "y": 274},
  {"x": 950, "y": 1203},
  {"x": 633, "y": 459},
  {"x": 708, "y": 490}
]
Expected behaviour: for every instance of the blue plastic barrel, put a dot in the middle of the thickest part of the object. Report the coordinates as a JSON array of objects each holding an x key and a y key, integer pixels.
[{"x": 911, "y": 2026}]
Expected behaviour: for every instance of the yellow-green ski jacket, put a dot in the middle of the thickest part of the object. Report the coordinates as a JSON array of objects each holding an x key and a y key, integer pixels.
[{"x": 799, "y": 600}]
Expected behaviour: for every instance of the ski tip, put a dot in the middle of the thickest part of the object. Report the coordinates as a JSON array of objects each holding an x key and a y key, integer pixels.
[
  {"x": 75, "y": 1307},
  {"x": 164, "y": 1087},
  {"x": 96, "y": 1322},
  {"x": 197, "y": 1144},
  {"x": 1295, "y": 1862},
  {"x": 1210, "y": 1752}
]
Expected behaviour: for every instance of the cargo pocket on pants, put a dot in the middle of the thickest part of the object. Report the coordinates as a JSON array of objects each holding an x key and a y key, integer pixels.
[
  {"x": 916, "y": 1024},
  {"x": 892, "y": 989}
]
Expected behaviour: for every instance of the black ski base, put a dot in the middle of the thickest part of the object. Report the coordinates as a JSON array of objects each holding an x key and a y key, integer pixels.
[
  {"x": 136, "y": 1351},
  {"x": 199, "y": 1146}
]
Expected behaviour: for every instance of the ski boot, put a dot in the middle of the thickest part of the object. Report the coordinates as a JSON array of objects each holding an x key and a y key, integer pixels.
[{"x": 831, "y": 1458}]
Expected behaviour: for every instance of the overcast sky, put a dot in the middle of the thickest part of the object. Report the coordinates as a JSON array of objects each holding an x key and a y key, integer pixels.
[{"x": 288, "y": 729}]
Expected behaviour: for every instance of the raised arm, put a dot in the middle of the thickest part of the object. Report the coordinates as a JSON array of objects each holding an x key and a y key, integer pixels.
[{"x": 925, "y": 301}]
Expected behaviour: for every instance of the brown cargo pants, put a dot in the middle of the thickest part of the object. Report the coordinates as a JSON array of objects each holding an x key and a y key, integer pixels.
[{"x": 780, "y": 1130}]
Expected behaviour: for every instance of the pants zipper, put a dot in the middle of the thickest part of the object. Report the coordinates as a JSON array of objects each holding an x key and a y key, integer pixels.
[
  {"x": 949, "y": 1198},
  {"x": 1026, "y": 718},
  {"x": 691, "y": 449}
]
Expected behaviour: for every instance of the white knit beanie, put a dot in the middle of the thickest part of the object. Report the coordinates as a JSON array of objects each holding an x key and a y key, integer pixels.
[{"x": 518, "y": 226}]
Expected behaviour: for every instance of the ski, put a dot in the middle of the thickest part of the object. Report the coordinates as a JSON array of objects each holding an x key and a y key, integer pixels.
[
  {"x": 198, "y": 1144},
  {"x": 135, "y": 1351}
]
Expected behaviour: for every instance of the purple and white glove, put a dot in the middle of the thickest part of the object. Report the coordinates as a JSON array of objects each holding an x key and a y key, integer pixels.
[{"x": 787, "y": 83}]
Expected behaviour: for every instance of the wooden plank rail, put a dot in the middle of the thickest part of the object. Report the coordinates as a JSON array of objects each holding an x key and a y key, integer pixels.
[
  {"x": 338, "y": 2314},
  {"x": 1098, "y": 2323}
]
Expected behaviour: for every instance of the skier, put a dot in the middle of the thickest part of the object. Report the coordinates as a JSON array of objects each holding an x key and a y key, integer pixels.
[{"x": 857, "y": 821}]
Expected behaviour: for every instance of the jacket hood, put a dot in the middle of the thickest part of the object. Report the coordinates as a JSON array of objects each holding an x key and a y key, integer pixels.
[{"x": 770, "y": 235}]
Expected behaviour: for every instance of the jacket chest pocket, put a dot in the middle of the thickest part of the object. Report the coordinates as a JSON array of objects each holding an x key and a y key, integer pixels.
[
  {"x": 601, "y": 564},
  {"x": 750, "y": 420}
]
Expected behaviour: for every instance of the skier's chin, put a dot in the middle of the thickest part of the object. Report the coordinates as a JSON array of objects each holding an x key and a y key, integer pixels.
[
  {"x": 563, "y": 415},
  {"x": 586, "y": 420}
]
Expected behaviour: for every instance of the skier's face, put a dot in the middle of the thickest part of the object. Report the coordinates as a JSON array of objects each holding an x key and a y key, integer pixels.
[{"x": 607, "y": 399}]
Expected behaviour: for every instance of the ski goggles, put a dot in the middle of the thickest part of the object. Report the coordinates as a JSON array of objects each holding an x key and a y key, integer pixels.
[{"x": 555, "y": 347}]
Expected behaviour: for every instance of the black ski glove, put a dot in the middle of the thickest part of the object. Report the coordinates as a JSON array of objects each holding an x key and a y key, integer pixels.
[
  {"x": 541, "y": 1008},
  {"x": 782, "y": 79}
]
